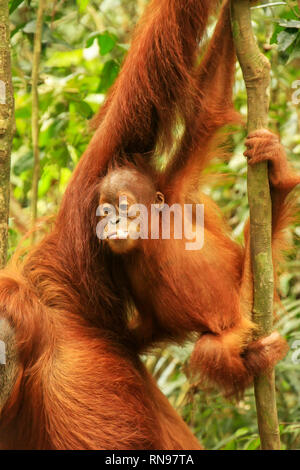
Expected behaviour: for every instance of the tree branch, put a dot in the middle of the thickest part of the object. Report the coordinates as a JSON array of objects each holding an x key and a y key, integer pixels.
[
  {"x": 35, "y": 109},
  {"x": 6, "y": 126},
  {"x": 256, "y": 72}
]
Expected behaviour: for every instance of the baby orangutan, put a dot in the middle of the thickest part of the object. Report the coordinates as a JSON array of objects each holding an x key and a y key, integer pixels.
[
  {"x": 208, "y": 290},
  {"x": 126, "y": 199}
]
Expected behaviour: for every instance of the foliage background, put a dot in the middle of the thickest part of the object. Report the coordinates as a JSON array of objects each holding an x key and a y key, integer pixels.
[{"x": 84, "y": 43}]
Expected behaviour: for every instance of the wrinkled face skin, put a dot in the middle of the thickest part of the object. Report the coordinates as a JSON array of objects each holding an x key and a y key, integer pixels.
[{"x": 121, "y": 190}]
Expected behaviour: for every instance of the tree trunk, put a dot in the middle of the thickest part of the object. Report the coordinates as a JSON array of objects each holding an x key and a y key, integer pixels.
[
  {"x": 35, "y": 110},
  {"x": 256, "y": 72},
  {"x": 6, "y": 126}
]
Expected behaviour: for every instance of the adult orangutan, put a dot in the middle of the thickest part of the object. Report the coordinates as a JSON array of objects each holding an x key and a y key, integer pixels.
[{"x": 73, "y": 378}]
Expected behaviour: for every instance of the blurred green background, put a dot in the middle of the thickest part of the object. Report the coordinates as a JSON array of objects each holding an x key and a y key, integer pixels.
[{"x": 83, "y": 46}]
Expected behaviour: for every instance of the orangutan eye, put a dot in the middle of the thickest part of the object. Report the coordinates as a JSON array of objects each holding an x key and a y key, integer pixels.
[{"x": 106, "y": 209}]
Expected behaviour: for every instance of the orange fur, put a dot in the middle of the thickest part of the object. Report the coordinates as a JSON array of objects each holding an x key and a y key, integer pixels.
[
  {"x": 81, "y": 384},
  {"x": 208, "y": 291}
]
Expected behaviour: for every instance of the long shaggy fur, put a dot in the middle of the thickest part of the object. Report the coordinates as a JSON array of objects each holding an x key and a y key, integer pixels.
[
  {"x": 81, "y": 384},
  {"x": 209, "y": 291}
]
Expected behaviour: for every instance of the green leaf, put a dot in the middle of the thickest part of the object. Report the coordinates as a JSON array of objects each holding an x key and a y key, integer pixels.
[
  {"x": 285, "y": 39},
  {"x": 65, "y": 58},
  {"x": 23, "y": 112},
  {"x": 82, "y": 5},
  {"x": 241, "y": 432},
  {"x": 30, "y": 27},
  {"x": 253, "y": 444},
  {"x": 230, "y": 446},
  {"x": 294, "y": 55},
  {"x": 284, "y": 284},
  {"x": 109, "y": 74},
  {"x": 106, "y": 42},
  {"x": 24, "y": 163},
  {"x": 65, "y": 176},
  {"x": 285, "y": 21},
  {"x": 50, "y": 173},
  {"x": 13, "y": 5},
  {"x": 83, "y": 108},
  {"x": 90, "y": 40},
  {"x": 73, "y": 153},
  {"x": 290, "y": 24}
]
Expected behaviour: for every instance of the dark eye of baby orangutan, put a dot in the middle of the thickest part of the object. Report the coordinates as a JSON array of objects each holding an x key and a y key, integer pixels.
[{"x": 125, "y": 203}]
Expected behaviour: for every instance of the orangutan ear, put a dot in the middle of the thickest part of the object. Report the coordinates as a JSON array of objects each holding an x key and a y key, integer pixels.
[{"x": 159, "y": 199}]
